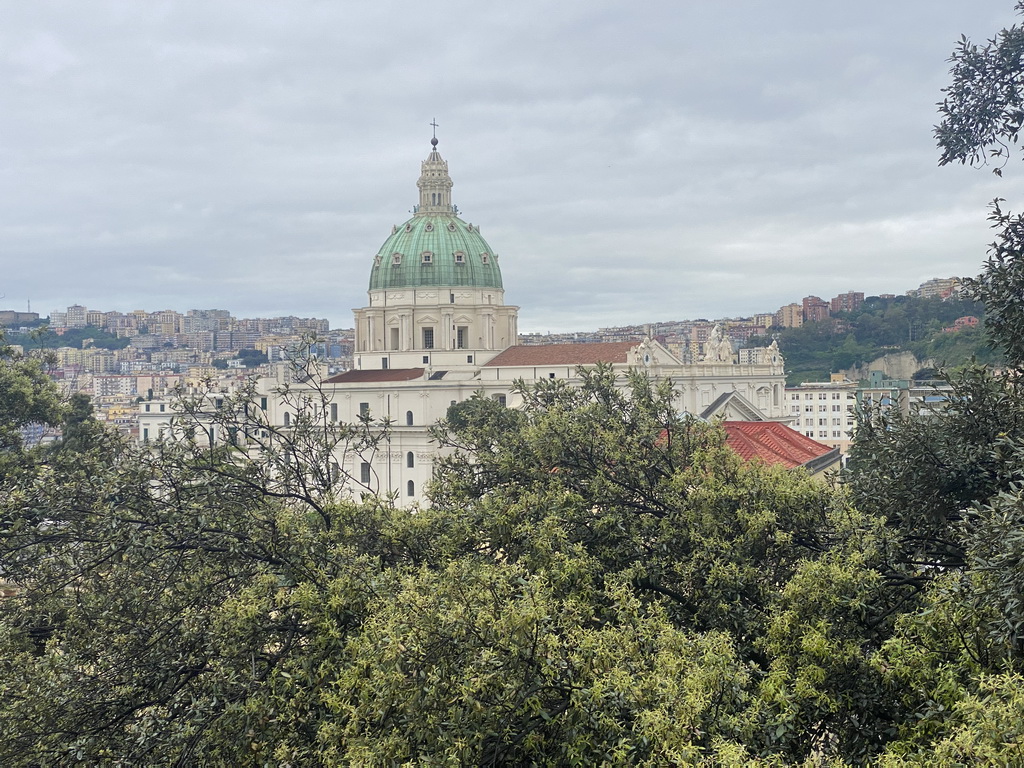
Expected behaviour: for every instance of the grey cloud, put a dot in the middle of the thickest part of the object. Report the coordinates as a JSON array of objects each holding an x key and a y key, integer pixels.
[{"x": 628, "y": 162}]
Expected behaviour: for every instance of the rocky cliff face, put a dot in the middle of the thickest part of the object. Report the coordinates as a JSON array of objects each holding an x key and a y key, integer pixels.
[{"x": 898, "y": 365}]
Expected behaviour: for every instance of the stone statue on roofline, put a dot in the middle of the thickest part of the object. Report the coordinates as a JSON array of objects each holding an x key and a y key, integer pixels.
[{"x": 718, "y": 348}]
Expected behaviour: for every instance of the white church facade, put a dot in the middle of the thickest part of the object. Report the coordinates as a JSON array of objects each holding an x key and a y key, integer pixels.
[{"x": 436, "y": 330}]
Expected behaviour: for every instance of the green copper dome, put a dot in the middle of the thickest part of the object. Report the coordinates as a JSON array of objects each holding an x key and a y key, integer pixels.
[
  {"x": 435, "y": 250},
  {"x": 435, "y": 247}
]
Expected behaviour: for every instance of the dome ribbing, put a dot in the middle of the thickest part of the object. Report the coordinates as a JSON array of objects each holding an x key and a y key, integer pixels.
[{"x": 435, "y": 247}]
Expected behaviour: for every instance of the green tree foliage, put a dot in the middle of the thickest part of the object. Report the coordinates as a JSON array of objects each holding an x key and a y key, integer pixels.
[
  {"x": 949, "y": 485},
  {"x": 983, "y": 112},
  {"x": 1001, "y": 286},
  {"x": 27, "y": 397},
  {"x": 44, "y": 338},
  {"x": 983, "y": 108},
  {"x": 252, "y": 358},
  {"x": 599, "y": 581}
]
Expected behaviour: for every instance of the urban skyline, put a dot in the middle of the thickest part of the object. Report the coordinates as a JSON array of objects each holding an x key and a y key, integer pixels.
[{"x": 809, "y": 307}]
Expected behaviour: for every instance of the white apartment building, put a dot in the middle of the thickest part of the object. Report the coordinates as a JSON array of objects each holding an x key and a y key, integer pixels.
[{"x": 824, "y": 411}]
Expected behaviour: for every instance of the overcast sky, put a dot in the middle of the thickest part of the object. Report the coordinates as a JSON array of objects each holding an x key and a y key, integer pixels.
[{"x": 629, "y": 161}]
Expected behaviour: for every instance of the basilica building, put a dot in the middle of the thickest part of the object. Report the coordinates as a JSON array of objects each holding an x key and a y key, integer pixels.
[{"x": 436, "y": 330}]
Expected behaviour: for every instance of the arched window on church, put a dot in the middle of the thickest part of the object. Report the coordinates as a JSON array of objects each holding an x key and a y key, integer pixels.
[
  {"x": 408, "y": 418},
  {"x": 410, "y": 488},
  {"x": 287, "y": 419},
  {"x": 410, "y": 460}
]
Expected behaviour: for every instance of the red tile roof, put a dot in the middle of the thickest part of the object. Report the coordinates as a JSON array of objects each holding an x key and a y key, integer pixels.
[
  {"x": 386, "y": 374},
  {"x": 564, "y": 354},
  {"x": 773, "y": 443}
]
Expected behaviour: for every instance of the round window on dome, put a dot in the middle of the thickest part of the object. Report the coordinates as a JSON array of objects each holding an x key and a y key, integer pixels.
[
  {"x": 451, "y": 226},
  {"x": 429, "y": 227}
]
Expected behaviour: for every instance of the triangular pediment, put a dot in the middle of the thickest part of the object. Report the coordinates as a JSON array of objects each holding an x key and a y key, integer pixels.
[{"x": 732, "y": 406}]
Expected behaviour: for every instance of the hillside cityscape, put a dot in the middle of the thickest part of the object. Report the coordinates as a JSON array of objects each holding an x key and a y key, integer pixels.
[
  {"x": 91, "y": 343},
  {"x": 784, "y": 538},
  {"x": 119, "y": 358}
]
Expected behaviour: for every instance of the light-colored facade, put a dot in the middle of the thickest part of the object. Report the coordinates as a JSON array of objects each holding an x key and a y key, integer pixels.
[
  {"x": 790, "y": 316},
  {"x": 436, "y": 330},
  {"x": 825, "y": 411}
]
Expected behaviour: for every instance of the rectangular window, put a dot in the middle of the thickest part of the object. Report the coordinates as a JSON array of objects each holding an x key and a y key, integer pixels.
[
  {"x": 426, "y": 359},
  {"x": 263, "y": 403},
  {"x": 823, "y": 396},
  {"x": 334, "y": 411},
  {"x": 383, "y": 363},
  {"x": 162, "y": 408},
  {"x": 837, "y": 407},
  {"x": 394, "y": 339},
  {"x": 364, "y": 409},
  {"x": 428, "y": 338},
  {"x": 145, "y": 435},
  {"x": 364, "y": 473},
  {"x": 462, "y": 336}
]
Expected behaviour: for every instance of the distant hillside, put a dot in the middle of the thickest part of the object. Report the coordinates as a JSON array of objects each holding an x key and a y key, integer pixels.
[
  {"x": 72, "y": 337},
  {"x": 879, "y": 327}
]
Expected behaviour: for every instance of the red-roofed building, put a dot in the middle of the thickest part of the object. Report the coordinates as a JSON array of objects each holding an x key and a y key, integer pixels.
[
  {"x": 378, "y": 376},
  {"x": 775, "y": 443}
]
